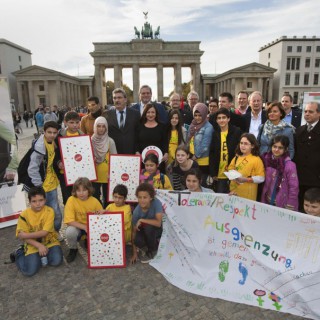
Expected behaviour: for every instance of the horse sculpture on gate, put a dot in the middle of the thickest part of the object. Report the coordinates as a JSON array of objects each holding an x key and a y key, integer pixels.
[
  {"x": 157, "y": 33},
  {"x": 136, "y": 33}
]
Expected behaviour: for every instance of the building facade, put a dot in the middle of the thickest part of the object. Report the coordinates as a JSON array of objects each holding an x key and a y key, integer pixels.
[
  {"x": 297, "y": 61},
  {"x": 13, "y": 58},
  {"x": 37, "y": 85},
  {"x": 250, "y": 77}
]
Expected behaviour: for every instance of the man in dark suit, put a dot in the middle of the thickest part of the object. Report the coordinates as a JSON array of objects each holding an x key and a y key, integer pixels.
[
  {"x": 123, "y": 123},
  {"x": 145, "y": 95},
  {"x": 293, "y": 116},
  {"x": 307, "y": 151},
  {"x": 225, "y": 101},
  {"x": 257, "y": 116},
  {"x": 174, "y": 101}
]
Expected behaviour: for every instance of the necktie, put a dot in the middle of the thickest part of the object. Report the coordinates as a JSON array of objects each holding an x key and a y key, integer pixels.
[
  {"x": 309, "y": 128},
  {"x": 121, "y": 120}
]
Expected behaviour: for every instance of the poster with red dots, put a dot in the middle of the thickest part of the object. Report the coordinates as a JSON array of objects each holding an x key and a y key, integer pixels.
[
  {"x": 124, "y": 169},
  {"x": 77, "y": 158},
  {"x": 106, "y": 244}
]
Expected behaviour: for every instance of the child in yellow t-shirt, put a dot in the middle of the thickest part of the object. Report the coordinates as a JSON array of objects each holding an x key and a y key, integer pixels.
[
  {"x": 120, "y": 193},
  {"x": 36, "y": 229},
  {"x": 75, "y": 213},
  {"x": 152, "y": 175}
]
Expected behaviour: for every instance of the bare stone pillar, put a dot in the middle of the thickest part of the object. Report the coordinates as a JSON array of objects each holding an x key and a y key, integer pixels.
[
  {"x": 244, "y": 84},
  {"x": 270, "y": 90},
  {"x": 136, "y": 82},
  {"x": 260, "y": 84},
  {"x": 117, "y": 76},
  {"x": 98, "y": 85},
  {"x": 31, "y": 94},
  {"x": 58, "y": 90},
  {"x": 72, "y": 94},
  {"x": 69, "y": 103},
  {"x": 20, "y": 96},
  {"x": 90, "y": 90},
  {"x": 196, "y": 73},
  {"x": 160, "y": 81},
  {"x": 79, "y": 95},
  {"x": 233, "y": 86},
  {"x": 177, "y": 78},
  {"x": 46, "y": 92}
]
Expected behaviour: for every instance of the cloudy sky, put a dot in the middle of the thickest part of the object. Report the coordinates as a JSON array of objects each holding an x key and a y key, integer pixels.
[{"x": 60, "y": 33}]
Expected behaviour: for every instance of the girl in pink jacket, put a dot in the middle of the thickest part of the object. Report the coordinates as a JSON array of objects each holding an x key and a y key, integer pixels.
[{"x": 281, "y": 186}]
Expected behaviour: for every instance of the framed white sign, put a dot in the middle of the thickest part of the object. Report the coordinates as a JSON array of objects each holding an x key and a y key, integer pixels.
[
  {"x": 106, "y": 244},
  {"x": 77, "y": 158}
]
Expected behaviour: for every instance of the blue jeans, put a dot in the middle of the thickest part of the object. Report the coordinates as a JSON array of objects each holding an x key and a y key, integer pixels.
[
  {"x": 52, "y": 201},
  {"x": 29, "y": 265}
]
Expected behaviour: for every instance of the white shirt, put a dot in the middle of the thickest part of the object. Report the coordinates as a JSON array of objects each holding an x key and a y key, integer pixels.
[{"x": 254, "y": 124}]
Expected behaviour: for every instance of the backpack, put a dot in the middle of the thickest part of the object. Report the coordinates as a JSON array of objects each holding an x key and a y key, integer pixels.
[{"x": 22, "y": 170}]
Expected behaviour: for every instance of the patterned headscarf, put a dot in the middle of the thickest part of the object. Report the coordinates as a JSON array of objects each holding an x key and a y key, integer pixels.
[
  {"x": 100, "y": 143},
  {"x": 194, "y": 126}
]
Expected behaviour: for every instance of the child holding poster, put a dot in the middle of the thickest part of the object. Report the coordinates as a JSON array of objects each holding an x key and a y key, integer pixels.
[
  {"x": 102, "y": 146},
  {"x": 311, "y": 202},
  {"x": 75, "y": 213},
  {"x": 36, "y": 229},
  {"x": 281, "y": 185},
  {"x": 120, "y": 193},
  {"x": 72, "y": 124},
  {"x": 152, "y": 175},
  {"x": 248, "y": 163},
  {"x": 147, "y": 223}
]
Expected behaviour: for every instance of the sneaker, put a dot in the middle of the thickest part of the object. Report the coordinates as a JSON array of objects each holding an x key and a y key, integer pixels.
[
  {"x": 147, "y": 257},
  {"x": 72, "y": 255},
  {"x": 14, "y": 253}
]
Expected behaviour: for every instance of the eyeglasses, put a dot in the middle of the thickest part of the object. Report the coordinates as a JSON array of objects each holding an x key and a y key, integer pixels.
[{"x": 245, "y": 143}]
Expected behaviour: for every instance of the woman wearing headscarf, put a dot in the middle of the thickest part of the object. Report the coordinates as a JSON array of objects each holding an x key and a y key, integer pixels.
[
  {"x": 102, "y": 146},
  {"x": 199, "y": 139}
]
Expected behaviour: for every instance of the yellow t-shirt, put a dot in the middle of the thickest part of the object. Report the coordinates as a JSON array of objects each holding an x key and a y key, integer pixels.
[
  {"x": 223, "y": 156},
  {"x": 127, "y": 216},
  {"x": 31, "y": 221},
  {"x": 157, "y": 183},
  {"x": 76, "y": 209},
  {"x": 51, "y": 180},
  {"x": 248, "y": 166},
  {"x": 173, "y": 144},
  {"x": 201, "y": 161},
  {"x": 103, "y": 170}
]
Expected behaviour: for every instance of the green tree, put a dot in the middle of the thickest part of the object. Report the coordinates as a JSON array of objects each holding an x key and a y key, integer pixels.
[{"x": 110, "y": 88}]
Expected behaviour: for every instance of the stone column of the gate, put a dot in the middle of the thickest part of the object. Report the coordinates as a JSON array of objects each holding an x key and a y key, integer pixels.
[
  {"x": 177, "y": 78},
  {"x": 99, "y": 81},
  {"x": 160, "y": 81},
  {"x": 196, "y": 73},
  {"x": 136, "y": 82},
  {"x": 117, "y": 76}
]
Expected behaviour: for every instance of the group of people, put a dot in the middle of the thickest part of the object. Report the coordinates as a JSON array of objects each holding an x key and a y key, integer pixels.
[{"x": 249, "y": 152}]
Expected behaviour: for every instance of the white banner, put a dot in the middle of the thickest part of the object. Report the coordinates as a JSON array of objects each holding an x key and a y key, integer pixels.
[
  {"x": 12, "y": 203},
  {"x": 239, "y": 250}
]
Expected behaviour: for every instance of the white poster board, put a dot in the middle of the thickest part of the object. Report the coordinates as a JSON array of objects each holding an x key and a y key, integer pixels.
[
  {"x": 240, "y": 250},
  {"x": 106, "y": 244},
  {"x": 77, "y": 158},
  {"x": 12, "y": 203},
  {"x": 124, "y": 169}
]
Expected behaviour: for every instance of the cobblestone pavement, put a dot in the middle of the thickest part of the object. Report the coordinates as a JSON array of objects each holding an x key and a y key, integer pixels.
[{"x": 72, "y": 291}]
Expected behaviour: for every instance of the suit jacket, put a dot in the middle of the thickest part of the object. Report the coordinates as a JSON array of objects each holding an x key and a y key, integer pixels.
[
  {"x": 296, "y": 118},
  {"x": 247, "y": 118},
  {"x": 126, "y": 139},
  {"x": 163, "y": 114},
  {"x": 235, "y": 119},
  {"x": 307, "y": 155}
]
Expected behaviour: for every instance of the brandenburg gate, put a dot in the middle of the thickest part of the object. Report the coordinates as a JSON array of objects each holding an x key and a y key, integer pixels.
[{"x": 145, "y": 53}]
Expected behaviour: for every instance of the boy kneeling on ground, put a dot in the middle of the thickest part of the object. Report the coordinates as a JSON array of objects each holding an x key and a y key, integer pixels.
[{"x": 36, "y": 229}]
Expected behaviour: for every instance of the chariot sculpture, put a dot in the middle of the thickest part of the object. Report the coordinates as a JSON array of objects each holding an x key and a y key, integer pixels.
[{"x": 146, "y": 31}]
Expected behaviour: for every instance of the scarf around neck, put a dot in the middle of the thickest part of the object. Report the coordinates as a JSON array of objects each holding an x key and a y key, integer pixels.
[
  {"x": 100, "y": 143},
  {"x": 194, "y": 126},
  {"x": 271, "y": 130}
]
